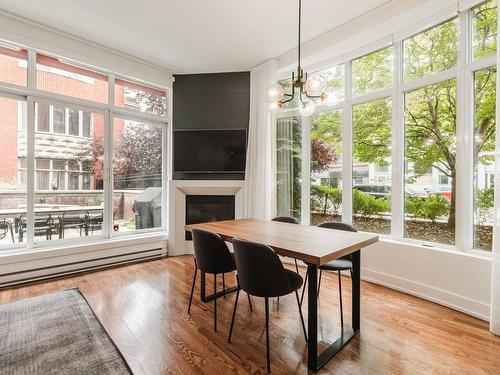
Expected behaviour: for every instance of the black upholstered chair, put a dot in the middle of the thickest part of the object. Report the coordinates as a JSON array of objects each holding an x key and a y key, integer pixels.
[
  {"x": 338, "y": 265},
  {"x": 211, "y": 256},
  {"x": 290, "y": 220},
  {"x": 261, "y": 274}
]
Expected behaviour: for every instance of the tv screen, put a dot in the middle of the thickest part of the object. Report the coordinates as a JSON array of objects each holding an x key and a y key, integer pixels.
[{"x": 210, "y": 151}]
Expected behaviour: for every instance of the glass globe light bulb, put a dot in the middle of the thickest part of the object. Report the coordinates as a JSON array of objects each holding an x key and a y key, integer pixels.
[
  {"x": 331, "y": 97},
  {"x": 307, "y": 108},
  {"x": 274, "y": 106},
  {"x": 274, "y": 92},
  {"x": 312, "y": 87}
]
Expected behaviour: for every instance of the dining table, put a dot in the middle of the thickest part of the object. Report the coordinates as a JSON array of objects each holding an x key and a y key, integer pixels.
[{"x": 314, "y": 246}]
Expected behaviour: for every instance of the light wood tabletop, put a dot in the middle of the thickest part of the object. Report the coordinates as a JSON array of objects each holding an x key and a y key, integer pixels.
[{"x": 307, "y": 243}]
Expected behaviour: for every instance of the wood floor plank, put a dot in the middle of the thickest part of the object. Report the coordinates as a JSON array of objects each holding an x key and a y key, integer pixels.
[{"x": 144, "y": 309}]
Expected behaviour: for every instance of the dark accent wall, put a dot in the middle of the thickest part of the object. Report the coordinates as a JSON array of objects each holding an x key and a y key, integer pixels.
[{"x": 211, "y": 101}]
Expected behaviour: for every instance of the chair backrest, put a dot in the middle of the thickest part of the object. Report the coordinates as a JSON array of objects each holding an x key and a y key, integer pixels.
[
  {"x": 211, "y": 252},
  {"x": 285, "y": 219},
  {"x": 339, "y": 226},
  {"x": 260, "y": 271}
]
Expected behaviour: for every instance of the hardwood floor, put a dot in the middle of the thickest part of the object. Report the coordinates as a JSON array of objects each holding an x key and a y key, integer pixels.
[{"x": 144, "y": 308}]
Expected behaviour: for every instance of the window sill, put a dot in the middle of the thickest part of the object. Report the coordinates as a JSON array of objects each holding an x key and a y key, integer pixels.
[{"x": 24, "y": 254}]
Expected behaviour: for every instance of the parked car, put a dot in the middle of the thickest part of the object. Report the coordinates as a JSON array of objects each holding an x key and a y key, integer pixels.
[{"x": 375, "y": 190}]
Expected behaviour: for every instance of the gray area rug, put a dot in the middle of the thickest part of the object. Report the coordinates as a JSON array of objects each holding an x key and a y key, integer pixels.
[{"x": 57, "y": 333}]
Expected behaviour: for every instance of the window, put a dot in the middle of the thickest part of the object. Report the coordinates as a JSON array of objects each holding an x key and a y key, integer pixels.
[
  {"x": 430, "y": 142},
  {"x": 13, "y": 65},
  {"x": 140, "y": 97},
  {"x": 58, "y": 120},
  {"x": 484, "y": 29},
  {"x": 372, "y": 72},
  {"x": 43, "y": 124},
  {"x": 326, "y": 167},
  {"x": 484, "y": 156},
  {"x": 371, "y": 126},
  {"x": 288, "y": 166},
  {"x": 74, "y": 122},
  {"x": 60, "y": 77},
  {"x": 137, "y": 172},
  {"x": 333, "y": 78},
  {"x": 64, "y": 167},
  {"x": 431, "y": 51},
  {"x": 87, "y": 123}
]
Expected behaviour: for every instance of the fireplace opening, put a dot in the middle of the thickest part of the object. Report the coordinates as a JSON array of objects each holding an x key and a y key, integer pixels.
[{"x": 207, "y": 208}]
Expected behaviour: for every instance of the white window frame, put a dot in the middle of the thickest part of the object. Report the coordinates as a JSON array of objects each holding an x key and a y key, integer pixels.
[{"x": 463, "y": 73}]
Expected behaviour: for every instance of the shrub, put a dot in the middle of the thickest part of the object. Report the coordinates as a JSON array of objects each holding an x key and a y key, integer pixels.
[
  {"x": 427, "y": 208},
  {"x": 326, "y": 199},
  {"x": 367, "y": 205},
  {"x": 484, "y": 203}
]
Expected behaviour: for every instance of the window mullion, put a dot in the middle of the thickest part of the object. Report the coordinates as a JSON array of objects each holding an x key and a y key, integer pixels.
[
  {"x": 108, "y": 175},
  {"x": 30, "y": 173},
  {"x": 397, "y": 184},
  {"x": 347, "y": 148},
  {"x": 305, "y": 201},
  {"x": 465, "y": 121}
]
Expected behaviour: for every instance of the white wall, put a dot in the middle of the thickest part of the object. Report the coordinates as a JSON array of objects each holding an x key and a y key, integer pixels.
[{"x": 457, "y": 280}]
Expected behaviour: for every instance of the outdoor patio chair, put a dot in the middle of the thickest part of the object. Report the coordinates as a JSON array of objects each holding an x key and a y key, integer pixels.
[
  {"x": 44, "y": 226},
  {"x": 93, "y": 222},
  {"x": 5, "y": 228}
]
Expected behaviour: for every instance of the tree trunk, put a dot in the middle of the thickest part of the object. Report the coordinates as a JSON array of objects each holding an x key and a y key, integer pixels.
[
  {"x": 325, "y": 205},
  {"x": 451, "y": 217}
]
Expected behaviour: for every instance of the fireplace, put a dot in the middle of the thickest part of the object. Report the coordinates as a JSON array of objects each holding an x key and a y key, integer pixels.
[{"x": 206, "y": 208}]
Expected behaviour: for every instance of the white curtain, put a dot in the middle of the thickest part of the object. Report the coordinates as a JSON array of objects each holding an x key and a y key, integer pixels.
[
  {"x": 495, "y": 264},
  {"x": 258, "y": 176}
]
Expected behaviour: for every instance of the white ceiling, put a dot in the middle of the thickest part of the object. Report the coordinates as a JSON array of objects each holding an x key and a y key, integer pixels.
[{"x": 192, "y": 36}]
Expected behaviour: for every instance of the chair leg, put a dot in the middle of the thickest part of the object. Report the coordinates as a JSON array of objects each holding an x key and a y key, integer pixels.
[
  {"x": 224, "y": 286},
  {"x": 296, "y": 266},
  {"x": 12, "y": 234},
  {"x": 341, "y": 310},
  {"x": 234, "y": 314},
  {"x": 192, "y": 287},
  {"x": 301, "y": 316},
  {"x": 215, "y": 302},
  {"x": 250, "y": 302},
  {"x": 319, "y": 282},
  {"x": 267, "y": 335},
  {"x": 304, "y": 287}
]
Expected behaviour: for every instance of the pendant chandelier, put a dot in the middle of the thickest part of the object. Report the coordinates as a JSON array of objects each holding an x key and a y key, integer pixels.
[{"x": 307, "y": 90}]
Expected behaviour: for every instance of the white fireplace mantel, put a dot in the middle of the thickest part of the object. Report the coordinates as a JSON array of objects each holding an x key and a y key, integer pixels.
[{"x": 178, "y": 189}]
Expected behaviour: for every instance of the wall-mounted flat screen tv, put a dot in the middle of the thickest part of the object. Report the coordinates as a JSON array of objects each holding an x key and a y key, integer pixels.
[{"x": 210, "y": 151}]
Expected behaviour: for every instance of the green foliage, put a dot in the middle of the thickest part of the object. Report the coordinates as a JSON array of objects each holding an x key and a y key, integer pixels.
[
  {"x": 367, "y": 205},
  {"x": 431, "y": 51},
  {"x": 372, "y": 132},
  {"x": 372, "y": 72},
  {"x": 483, "y": 204},
  {"x": 484, "y": 24},
  {"x": 326, "y": 199},
  {"x": 485, "y": 105},
  {"x": 429, "y": 208},
  {"x": 326, "y": 131}
]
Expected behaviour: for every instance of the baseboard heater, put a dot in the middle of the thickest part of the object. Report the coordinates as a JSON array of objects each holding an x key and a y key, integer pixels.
[{"x": 63, "y": 269}]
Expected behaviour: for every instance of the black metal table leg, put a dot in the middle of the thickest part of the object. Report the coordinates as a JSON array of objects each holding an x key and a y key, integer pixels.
[
  {"x": 314, "y": 361},
  {"x": 211, "y": 297}
]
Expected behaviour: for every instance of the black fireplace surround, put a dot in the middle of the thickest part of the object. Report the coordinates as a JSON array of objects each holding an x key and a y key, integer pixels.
[{"x": 207, "y": 208}]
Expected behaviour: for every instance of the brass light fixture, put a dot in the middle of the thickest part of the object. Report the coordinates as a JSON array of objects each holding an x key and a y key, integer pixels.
[{"x": 308, "y": 89}]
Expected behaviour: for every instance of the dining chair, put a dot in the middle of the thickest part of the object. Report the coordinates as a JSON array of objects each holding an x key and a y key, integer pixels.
[
  {"x": 337, "y": 265},
  {"x": 290, "y": 220},
  {"x": 260, "y": 273},
  {"x": 212, "y": 256}
]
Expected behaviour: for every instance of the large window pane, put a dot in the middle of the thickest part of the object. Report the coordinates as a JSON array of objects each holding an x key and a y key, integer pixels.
[
  {"x": 431, "y": 51},
  {"x": 62, "y": 208},
  {"x": 288, "y": 166},
  {"x": 430, "y": 161},
  {"x": 326, "y": 167},
  {"x": 137, "y": 175},
  {"x": 333, "y": 78},
  {"x": 371, "y": 174},
  {"x": 13, "y": 170},
  {"x": 57, "y": 76},
  {"x": 484, "y": 29},
  {"x": 484, "y": 157},
  {"x": 13, "y": 65},
  {"x": 372, "y": 72},
  {"x": 140, "y": 97}
]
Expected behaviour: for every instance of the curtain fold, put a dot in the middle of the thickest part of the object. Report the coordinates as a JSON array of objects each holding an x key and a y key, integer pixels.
[
  {"x": 495, "y": 264},
  {"x": 258, "y": 171}
]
